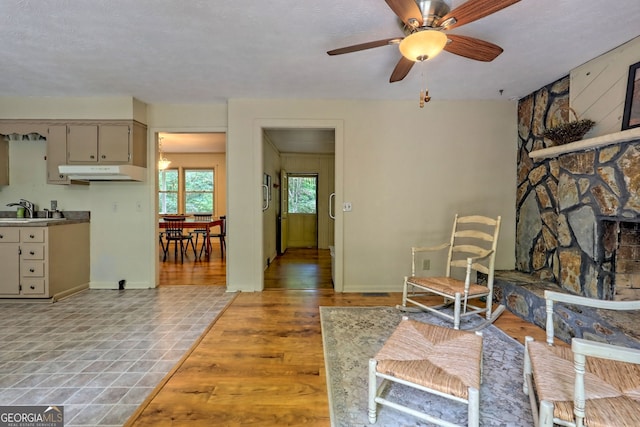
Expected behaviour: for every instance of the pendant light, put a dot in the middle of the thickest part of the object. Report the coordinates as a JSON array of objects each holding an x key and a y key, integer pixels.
[{"x": 163, "y": 163}]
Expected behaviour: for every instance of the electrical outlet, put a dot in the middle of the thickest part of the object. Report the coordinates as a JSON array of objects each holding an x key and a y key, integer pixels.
[
  {"x": 426, "y": 264},
  {"x": 346, "y": 207}
]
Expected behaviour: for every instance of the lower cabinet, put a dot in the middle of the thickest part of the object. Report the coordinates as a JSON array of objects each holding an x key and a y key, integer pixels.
[{"x": 44, "y": 262}]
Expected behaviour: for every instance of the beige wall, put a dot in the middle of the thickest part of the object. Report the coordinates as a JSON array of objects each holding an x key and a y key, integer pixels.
[
  {"x": 272, "y": 166},
  {"x": 405, "y": 170}
]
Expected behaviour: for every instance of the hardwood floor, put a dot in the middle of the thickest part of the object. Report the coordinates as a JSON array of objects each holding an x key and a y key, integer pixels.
[
  {"x": 300, "y": 268},
  {"x": 212, "y": 271},
  {"x": 262, "y": 364}
]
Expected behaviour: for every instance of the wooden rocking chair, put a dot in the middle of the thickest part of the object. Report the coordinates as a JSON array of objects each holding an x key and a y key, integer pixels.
[
  {"x": 588, "y": 384},
  {"x": 472, "y": 249}
]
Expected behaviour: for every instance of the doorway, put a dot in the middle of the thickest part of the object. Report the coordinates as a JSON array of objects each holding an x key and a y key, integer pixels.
[
  {"x": 298, "y": 228},
  {"x": 301, "y": 211},
  {"x": 191, "y": 157}
]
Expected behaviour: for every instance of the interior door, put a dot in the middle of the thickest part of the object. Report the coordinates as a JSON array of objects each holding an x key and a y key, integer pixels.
[
  {"x": 284, "y": 210},
  {"x": 302, "y": 212}
]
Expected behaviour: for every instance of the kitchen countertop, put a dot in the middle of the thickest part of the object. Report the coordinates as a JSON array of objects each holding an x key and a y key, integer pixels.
[{"x": 8, "y": 219}]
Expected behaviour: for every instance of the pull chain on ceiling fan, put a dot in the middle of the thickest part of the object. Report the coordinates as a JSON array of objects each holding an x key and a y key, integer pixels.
[{"x": 425, "y": 24}]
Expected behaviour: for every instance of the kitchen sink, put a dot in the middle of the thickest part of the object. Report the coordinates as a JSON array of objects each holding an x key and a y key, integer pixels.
[{"x": 28, "y": 220}]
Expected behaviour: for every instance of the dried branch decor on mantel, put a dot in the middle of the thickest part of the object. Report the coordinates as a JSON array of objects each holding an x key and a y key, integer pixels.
[{"x": 573, "y": 130}]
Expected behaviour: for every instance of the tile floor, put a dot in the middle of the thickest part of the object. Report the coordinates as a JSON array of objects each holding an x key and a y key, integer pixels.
[{"x": 100, "y": 353}]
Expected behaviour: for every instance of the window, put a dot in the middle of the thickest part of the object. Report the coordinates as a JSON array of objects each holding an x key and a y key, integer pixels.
[
  {"x": 303, "y": 194},
  {"x": 198, "y": 190},
  {"x": 168, "y": 191}
]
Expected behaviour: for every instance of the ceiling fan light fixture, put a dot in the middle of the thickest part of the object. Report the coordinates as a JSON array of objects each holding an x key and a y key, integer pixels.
[{"x": 423, "y": 45}]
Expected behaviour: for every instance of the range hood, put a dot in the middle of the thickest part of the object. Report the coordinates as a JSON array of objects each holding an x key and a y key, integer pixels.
[{"x": 103, "y": 172}]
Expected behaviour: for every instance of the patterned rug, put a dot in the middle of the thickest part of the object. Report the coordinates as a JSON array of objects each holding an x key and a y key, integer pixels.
[{"x": 352, "y": 335}]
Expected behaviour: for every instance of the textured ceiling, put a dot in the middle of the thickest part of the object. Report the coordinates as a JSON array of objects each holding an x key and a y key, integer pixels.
[{"x": 205, "y": 51}]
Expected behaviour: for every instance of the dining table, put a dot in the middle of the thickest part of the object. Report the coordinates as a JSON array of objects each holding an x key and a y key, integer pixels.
[{"x": 192, "y": 223}]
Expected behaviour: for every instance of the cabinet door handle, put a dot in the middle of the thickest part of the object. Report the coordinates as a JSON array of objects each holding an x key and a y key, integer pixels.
[
  {"x": 32, "y": 253},
  {"x": 1, "y": 236},
  {"x": 32, "y": 287},
  {"x": 31, "y": 236},
  {"x": 32, "y": 270},
  {"x": 103, "y": 156},
  {"x": 92, "y": 156}
]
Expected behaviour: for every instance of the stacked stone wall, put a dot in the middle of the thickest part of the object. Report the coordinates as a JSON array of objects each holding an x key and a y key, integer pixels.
[{"x": 561, "y": 202}]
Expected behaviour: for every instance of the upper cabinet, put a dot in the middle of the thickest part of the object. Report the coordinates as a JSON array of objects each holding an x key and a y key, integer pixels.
[
  {"x": 4, "y": 161},
  {"x": 107, "y": 143}
]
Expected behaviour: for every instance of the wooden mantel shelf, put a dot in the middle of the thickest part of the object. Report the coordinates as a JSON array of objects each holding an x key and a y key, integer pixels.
[{"x": 587, "y": 144}]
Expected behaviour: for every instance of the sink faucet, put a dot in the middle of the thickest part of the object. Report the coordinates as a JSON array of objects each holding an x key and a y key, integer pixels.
[{"x": 27, "y": 205}]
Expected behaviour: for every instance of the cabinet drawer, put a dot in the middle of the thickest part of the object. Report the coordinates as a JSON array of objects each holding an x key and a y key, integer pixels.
[
  {"x": 32, "y": 269},
  {"x": 33, "y": 234},
  {"x": 30, "y": 251},
  {"x": 33, "y": 287},
  {"x": 9, "y": 235}
]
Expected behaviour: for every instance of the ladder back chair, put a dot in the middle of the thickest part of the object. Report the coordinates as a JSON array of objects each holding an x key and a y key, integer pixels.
[
  {"x": 433, "y": 359},
  {"x": 591, "y": 383},
  {"x": 471, "y": 250},
  {"x": 220, "y": 235},
  {"x": 201, "y": 217},
  {"x": 174, "y": 232}
]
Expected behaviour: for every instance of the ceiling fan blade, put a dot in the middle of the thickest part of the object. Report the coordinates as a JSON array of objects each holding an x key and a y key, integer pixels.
[
  {"x": 471, "y": 48},
  {"x": 473, "y": 10},
  {"x": 364, "y": 46},
  {"x": 402, "y": 69},
  {"x": 406, "y": 9}
]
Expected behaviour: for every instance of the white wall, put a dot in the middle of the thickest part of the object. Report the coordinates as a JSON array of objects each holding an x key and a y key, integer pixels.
[
  {"x": 598, "y": 88},
  {"x": 405, "y": 170}
]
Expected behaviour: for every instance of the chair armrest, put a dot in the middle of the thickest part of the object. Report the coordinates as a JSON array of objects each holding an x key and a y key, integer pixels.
[
  {"x": 605, "y": 351},
  {"x": 417, "y": 249},
  {"x": 591, "y": 302}
]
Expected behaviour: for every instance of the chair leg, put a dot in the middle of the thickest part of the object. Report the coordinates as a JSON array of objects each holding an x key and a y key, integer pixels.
[
  {"x": 373, "y": 391},
  {"x": 474, "y": 407},
  {"x": 404, "y": 292},
  {"x": 222, "y": 246},
  {"x": 193, "y": 246},
  {"x": 457, "y": 305}
]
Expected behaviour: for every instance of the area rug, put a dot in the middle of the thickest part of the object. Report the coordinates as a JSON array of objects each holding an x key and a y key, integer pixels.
[{"x": 352, "y": 335}]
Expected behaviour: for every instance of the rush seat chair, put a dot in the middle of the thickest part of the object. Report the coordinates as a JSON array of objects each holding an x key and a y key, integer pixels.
[
  {"x": 433, "y": 359},
  {"x": 591, "y": 383},
  {"x": 471, "y": 250}
]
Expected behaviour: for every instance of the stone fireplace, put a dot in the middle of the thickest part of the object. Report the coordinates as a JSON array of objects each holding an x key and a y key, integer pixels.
[{"x": 578, "y": 213}]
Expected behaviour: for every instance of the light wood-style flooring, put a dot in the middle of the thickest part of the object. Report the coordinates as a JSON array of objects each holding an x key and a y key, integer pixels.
[
  {"x": 192, "y": 271},
  {"x": 262, "y": 364}
]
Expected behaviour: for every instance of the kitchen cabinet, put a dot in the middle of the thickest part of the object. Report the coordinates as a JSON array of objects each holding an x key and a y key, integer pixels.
[
  {"x": 10, "y": 261},
  {"x": 56, "y": 154},
  {"x": 4, "y": 161},
  {"x": 106, "y": 143},
  {"x": 44, "y": 262}
]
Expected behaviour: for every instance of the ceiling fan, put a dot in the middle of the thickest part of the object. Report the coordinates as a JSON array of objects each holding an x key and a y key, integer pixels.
[{"x": 424, "y": 25}]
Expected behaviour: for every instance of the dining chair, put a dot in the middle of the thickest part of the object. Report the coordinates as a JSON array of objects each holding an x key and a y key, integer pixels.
[
  {"x": 220, "y": 235},
  {"x": 201, "y": 217},
  {"x": 174, "y": 233}
]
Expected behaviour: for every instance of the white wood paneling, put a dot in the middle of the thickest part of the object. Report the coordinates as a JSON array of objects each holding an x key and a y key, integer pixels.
[{"x": 598, "y": 88}]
